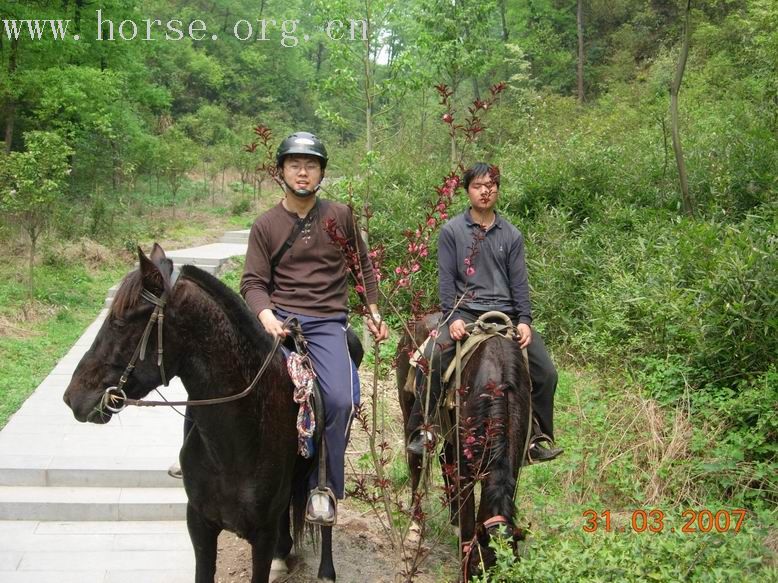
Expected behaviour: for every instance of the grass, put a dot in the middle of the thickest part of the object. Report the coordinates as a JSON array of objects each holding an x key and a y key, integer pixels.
[
  {"x": 624, "y": 454},
  {"x": 71, "y": 282},
  {"x": 68, "y": 297}
]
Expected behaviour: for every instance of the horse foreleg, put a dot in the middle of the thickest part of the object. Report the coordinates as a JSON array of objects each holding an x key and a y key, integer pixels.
[
  {"x": 326, "y": 567},
  {"x": 447, "y": 457},
  {"x": 284, "y": 544},
  {"x": 262, "y": 548},
  {"x": 204, "y": 535}
]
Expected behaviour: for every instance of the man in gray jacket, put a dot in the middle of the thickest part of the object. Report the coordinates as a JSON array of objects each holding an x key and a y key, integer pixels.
[{"x": 482, "y": 268}]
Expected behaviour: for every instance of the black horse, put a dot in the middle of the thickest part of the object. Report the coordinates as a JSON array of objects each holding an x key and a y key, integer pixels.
[
  {"x": 493, "y": 438},
  {"x": 240, "y": 462}
]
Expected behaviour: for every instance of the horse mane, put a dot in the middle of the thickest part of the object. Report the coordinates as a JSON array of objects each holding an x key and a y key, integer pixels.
[
  {"x": 236, "y": 310},
  {"x": 490, "y": 411},
  {"x": 128, "y": 294}
]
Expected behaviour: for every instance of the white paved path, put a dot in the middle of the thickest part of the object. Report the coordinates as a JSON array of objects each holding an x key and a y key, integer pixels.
[{"x": 93, "y": 503}]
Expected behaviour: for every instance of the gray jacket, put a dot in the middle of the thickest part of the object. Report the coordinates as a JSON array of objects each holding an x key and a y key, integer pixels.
[{"x": 498, "y": 278}]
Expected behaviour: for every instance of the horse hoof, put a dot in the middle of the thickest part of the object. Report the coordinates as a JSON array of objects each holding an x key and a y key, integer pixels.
[
  {"x": 326, "y": 580},
  {"x": 278, "y": 569}
]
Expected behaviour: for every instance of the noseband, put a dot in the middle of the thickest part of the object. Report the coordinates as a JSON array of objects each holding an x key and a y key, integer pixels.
[
  {"x": 467, "y": 547},
  {"x": 116, "y": 393},
  {"x": 112, "y": 395}
]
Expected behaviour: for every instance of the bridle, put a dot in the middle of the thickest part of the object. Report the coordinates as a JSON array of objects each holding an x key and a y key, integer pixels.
[
  {"x": 116, "y": 393},
  {"x": 467, "y": 547}
]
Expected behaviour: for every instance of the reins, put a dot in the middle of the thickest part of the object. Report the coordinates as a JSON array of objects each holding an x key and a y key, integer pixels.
[{"x": 114, "y": 394}]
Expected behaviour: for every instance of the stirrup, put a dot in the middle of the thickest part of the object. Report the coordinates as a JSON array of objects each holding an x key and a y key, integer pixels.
[
  {"x": 321, "y": 507},
  {"x": 174, "y": 471},
  {"x": 546, "y": 454}
]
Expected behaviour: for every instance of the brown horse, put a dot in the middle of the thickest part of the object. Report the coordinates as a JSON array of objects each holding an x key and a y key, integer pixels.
[
  {"x": 493, "y": 438},
  {"x": 239, "y": 461}
]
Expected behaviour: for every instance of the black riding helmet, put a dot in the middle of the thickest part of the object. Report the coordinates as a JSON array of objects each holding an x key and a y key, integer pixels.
[{"x": 304, "y": 143}]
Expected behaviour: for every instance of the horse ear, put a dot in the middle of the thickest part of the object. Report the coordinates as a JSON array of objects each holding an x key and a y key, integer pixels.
[
  {"x": 157, "y": 254},
  {"x": 161, "y": 260},
  {"x": 152, "y": 276}
]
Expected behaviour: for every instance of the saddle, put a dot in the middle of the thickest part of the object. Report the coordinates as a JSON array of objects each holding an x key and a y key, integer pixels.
[{"x": 487, "y": 326}]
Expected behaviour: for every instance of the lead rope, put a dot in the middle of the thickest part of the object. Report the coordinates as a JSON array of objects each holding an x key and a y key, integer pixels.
[{"x": 457, "y": 397}]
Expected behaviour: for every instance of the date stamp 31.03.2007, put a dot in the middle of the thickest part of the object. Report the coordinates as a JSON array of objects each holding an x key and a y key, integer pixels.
[{"x": 655, "y": 521}]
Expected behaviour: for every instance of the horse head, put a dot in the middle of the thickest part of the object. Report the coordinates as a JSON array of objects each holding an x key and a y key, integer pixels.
[
  {"x": 126, "y": 353},
  {"x": 481, "y": 556}
]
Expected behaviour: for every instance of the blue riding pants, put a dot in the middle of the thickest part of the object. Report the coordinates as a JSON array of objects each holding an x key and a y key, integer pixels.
[{"x": 339, "y": 385}]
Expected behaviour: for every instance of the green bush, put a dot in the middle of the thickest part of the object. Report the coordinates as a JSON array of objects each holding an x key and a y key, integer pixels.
[{"x": 632, "y": 557}]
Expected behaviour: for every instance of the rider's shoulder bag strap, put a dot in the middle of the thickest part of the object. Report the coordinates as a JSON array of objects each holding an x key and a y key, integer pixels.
[{"x": 298, "y": 227}]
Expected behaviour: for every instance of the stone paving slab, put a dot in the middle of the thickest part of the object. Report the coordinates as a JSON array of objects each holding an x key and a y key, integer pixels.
[
  {"x": 87, "y": 503},
  {"x": 241, "y": 236},
  {"x": 136, "y": 561},
  {"x": 212, "y": 254},
  {"x": 54, "y": 577}
]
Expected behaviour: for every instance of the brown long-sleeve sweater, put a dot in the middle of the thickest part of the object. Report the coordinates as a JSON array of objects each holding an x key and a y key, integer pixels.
[{"x": 312, "y": 277}]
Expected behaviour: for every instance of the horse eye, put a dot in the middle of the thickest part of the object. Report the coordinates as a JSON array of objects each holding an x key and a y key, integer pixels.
[{"x": 118, "y": 323}]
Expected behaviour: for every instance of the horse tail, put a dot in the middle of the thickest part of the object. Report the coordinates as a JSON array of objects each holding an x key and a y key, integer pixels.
[{"x": 299, "y": 498}]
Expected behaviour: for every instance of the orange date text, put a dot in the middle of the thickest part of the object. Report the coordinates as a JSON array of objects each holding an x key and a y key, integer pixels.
[{"x": 654, "y": 521}]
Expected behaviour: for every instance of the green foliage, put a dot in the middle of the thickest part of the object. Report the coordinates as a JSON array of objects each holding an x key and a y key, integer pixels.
[
  {"x": 69, "y": 295},
  {"x": 31, "y": 182},
  {"x": 622, "y": 556},
  {"x": 241, "y": 206}
]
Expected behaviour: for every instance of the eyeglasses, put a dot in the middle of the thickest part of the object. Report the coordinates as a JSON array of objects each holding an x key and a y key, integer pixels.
[{"x": 297, "y": 167}]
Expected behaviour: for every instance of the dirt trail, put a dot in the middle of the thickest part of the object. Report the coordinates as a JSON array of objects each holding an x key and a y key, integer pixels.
[
  {"x": 361, "y": 555},
  {"x": 362, "y": 552}
]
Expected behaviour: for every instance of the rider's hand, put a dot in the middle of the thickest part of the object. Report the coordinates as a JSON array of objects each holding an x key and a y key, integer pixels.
[
  {"x": 457, "y": 329},
  {"x": 380, "y": 332},
  {"x": 271, "y": 323},
  {"x": 524, "y": 332}
]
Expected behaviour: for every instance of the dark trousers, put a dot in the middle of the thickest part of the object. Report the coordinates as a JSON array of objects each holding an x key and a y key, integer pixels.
[
  {"x": 339, "y": 385},
  {"x": 440, "y": 354}
]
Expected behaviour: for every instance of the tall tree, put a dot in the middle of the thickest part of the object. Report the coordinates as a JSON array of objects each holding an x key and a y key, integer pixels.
[
  {"x": 579, "y": 22},
  {"x": 31, "y": 186},
  {"x": 675, "y": 88}
]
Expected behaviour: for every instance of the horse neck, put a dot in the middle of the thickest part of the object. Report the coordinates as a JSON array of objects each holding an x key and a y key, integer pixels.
[
  {"x": 499, "y": 397},
  {"x": 216, "y": 358}
]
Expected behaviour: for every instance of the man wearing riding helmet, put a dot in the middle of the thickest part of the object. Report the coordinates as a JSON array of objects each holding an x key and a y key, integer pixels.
[{"x": 293, "y": 268}]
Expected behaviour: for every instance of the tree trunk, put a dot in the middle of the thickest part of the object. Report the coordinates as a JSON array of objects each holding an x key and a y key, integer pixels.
[
  {"x": 366, "y": 337},
  {"x": 33, "y": 233},
  {"x": 579, "y": 19},
  {"x": 688, "y": 205},
  {"x": 503, "y": 22},
  {"x": 319, "y": 58},
  {"x": 10, "y": 118}
]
